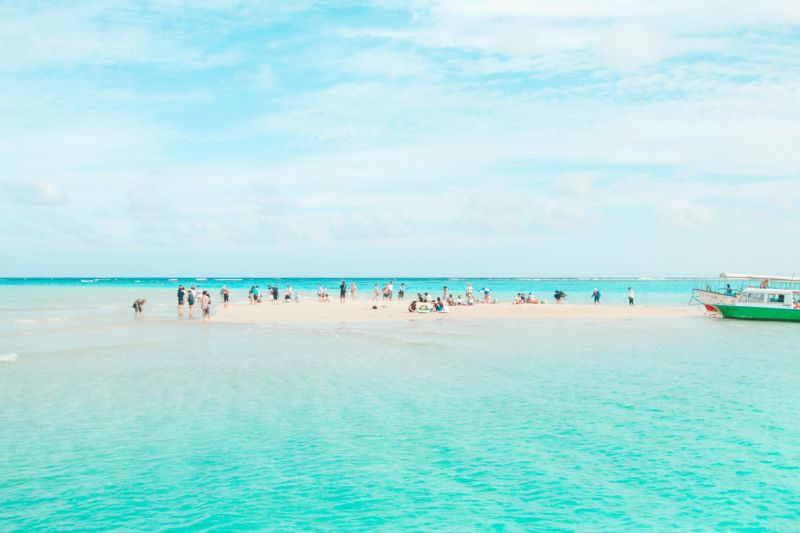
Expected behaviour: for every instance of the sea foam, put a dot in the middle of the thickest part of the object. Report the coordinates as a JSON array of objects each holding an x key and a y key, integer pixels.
[{"x": 8, "y": 358}]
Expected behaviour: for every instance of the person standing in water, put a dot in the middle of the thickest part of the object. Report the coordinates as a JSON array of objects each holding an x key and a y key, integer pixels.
[
  {"x": 402, "y": 292},
  {"x": 353, "y": 291},
  {"x": 631, "y": 295},
  {"x": 444, "y": 293},
  {"x": 205, "y": 304},
  {"x": 190, "y": 300},
  {"x": 181, "y": 298},
  {"x": 596, "y": 296},
  {"x": 375, "y": 293},
  {"x": 342, "y": 291},
  {"x": 225, "y": 294}
]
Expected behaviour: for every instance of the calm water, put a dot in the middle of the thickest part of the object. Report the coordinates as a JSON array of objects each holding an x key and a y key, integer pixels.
[
  {"x": 107, "y": 421},
  {"x": 614, "y": 290}
]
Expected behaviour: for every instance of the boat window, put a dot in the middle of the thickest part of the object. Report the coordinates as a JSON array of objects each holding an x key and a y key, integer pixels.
[
  {"x": 776, "y": 298},
  {"x": 752, "y": 297}
]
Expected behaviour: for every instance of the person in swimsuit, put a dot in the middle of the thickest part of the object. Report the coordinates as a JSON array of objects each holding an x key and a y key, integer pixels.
[
  {"x": 375, "y": 293},
  {"x": 402, "y": 292},
  {"x": 353, "y": 291},
  {"x": 632, "y": 295},
  {"x": 596, "y": 296},
  {"x": 342, "y": 291},
  {"x": 181, "y": 298}
]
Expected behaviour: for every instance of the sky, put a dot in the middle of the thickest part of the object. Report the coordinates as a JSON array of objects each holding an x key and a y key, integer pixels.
[{"x": 406, "y": 138}]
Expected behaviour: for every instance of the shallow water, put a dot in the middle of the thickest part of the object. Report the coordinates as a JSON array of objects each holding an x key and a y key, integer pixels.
[
  {"x": 579, "y": 290},
  {"x": 107, "y": 421}
]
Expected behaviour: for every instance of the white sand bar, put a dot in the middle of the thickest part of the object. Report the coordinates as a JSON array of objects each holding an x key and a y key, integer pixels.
[{"x": 362, "y": 311}]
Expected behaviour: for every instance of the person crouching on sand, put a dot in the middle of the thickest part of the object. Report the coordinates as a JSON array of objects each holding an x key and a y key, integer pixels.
[{"x": 138, "y": 304}]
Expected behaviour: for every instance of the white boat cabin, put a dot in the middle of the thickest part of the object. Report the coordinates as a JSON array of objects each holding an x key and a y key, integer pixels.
[{"x": 753, "y": 297}]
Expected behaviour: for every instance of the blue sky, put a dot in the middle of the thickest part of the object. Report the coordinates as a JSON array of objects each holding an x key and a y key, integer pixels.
[{"x": 546, "y": 138}]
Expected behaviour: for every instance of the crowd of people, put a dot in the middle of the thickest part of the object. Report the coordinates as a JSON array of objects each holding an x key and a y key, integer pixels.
[
  {"x": 425, "y": 302},
  {"x": 195, "y": 296}
]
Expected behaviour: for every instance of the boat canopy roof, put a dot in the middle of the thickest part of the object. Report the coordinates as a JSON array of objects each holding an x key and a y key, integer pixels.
[
  {"x": 785, "y": 279},
  {"x": 755, "y": 290}
]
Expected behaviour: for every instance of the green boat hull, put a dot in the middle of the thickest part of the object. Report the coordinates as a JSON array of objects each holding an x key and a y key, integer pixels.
[{"x": 759, "y": 313}]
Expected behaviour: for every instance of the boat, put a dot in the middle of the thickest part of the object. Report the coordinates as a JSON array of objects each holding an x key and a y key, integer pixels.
[{"x": 758, "y": 298}]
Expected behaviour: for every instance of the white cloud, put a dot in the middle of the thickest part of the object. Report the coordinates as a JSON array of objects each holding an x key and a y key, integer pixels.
[
  {"x": 33, "y": 192},
  {"x": 685, "y": 214},
  {"x": 573, "y": 184},
  {"x": 628, "y": 46},
  {"x": 265, "y": 77}
]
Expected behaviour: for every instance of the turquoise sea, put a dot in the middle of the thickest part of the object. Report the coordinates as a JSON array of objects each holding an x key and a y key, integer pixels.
[{"x": 112, "y": 422}]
